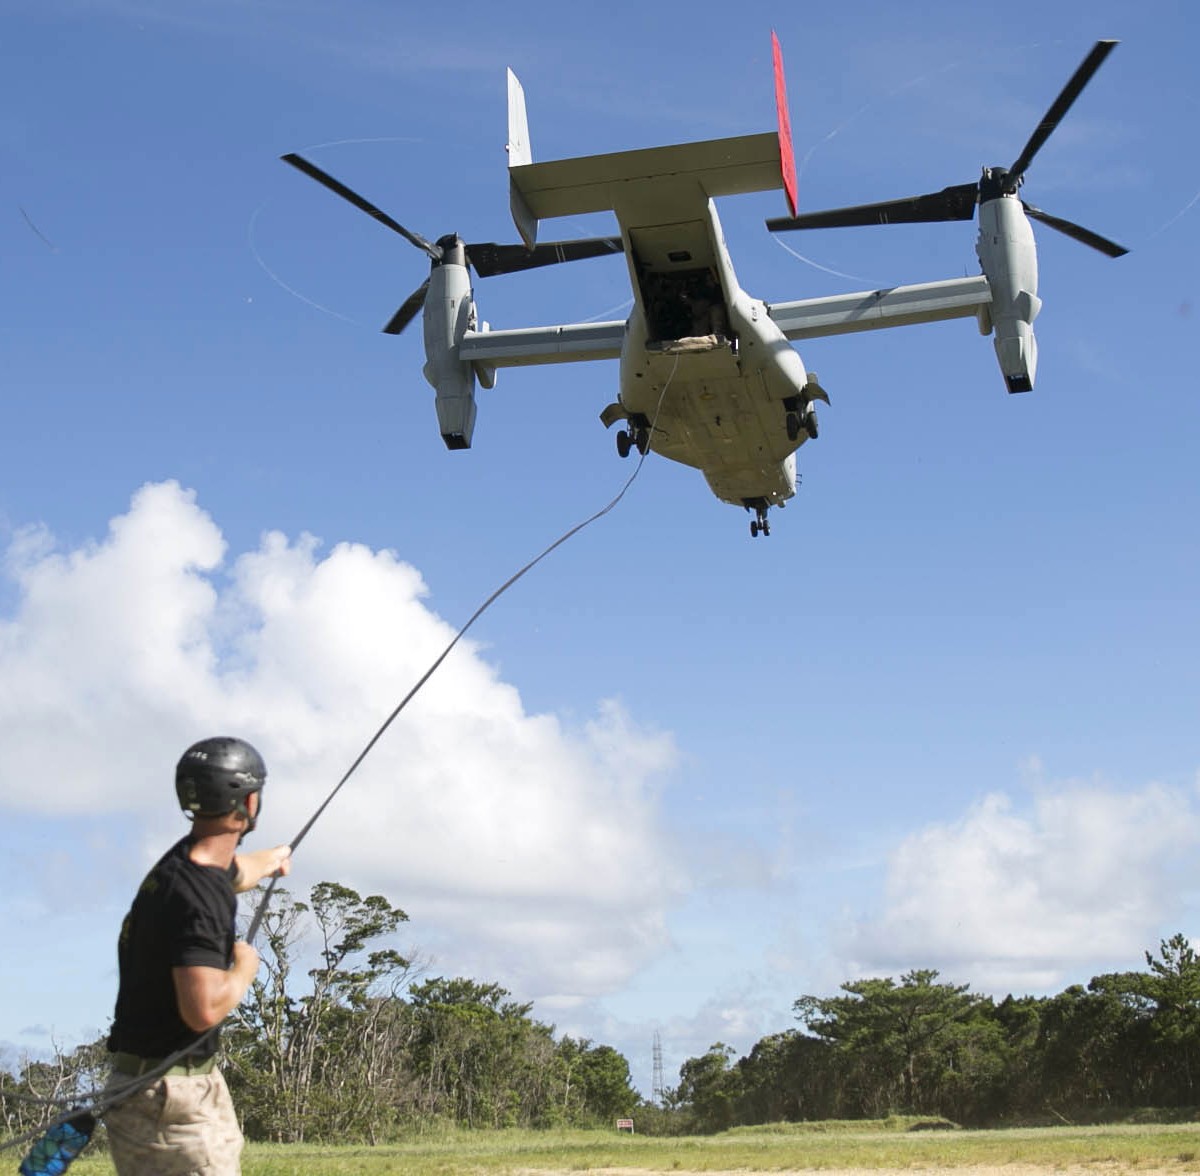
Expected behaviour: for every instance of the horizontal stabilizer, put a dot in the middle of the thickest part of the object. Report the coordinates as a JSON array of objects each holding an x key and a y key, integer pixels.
[{"x": 591, "y": 183}]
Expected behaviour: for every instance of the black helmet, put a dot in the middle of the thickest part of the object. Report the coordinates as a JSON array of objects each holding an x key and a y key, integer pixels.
[{"x": 215, "y": 776}]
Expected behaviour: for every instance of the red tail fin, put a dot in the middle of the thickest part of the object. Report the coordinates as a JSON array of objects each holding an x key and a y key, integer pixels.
[{"x": 787, "y": 158}]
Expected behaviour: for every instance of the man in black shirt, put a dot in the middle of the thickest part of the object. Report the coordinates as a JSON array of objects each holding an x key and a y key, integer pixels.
[{"x": 183, "y": 970}]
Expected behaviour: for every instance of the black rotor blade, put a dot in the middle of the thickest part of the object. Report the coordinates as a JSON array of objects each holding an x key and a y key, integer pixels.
[
  {"x": 488, "y": 259},
  {"x": 953, "y": 203},
  {"x": 324, "y": 178},
  {"x": 1061, "y": 105},
  {"x": 408, "y": 311},
  {"x": 1078, "y": 232}
]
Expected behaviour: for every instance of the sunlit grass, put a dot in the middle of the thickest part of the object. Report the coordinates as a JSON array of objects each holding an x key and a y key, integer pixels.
[{"x": 776, "y": 1148}]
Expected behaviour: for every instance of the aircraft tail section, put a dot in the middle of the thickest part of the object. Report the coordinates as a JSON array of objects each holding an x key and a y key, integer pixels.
[
  {"x": 520, "y": 154},
  {"x": 519, "y": 151},
  {"x": 633, "y": 181},
  {"x": 787, "y": 157},
  {"x": 597, "y": 183}
]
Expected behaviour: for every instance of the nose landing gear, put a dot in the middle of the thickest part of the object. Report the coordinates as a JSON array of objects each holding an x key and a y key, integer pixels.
[{"x": 759, "y": 522}]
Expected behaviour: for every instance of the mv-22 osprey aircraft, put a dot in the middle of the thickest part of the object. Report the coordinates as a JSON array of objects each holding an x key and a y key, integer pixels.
[{"x": 708, "y": 375}]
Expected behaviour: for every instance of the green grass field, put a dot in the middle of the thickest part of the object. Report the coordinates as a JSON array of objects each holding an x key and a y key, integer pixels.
[{"x": 786, "y": 1147}]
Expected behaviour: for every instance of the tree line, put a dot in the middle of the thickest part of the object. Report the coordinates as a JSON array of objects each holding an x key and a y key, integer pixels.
[
  {"x": 371, "y": 1049},
  {"x": 361, "y": 1046},
  {"x": 920, "y": 1046}
]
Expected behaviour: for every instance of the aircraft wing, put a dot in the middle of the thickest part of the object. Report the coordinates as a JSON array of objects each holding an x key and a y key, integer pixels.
[
  {"x": 809, "y": 318},
  {"x": 526, "y": 346},
  {"x": 872, "y": 310}
]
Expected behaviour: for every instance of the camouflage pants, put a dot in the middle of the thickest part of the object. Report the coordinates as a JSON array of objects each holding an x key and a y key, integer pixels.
[{"x": 179, "y": 1126}]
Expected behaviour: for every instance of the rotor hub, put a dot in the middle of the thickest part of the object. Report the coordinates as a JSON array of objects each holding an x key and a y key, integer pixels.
[{"x": 996, "y": 182}]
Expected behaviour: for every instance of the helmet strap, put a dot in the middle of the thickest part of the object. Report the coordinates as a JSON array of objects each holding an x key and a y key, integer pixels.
[{"x": 242, "y": 808}]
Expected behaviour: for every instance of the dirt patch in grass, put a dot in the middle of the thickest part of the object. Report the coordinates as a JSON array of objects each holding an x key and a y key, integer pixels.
[{"x": 1096, "y": 1169}]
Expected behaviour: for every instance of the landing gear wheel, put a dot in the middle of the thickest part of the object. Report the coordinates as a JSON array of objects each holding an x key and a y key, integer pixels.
[
  {"x": 624, "y": 443},
  {"x": 793, "y": 426},
  {"x": 810, "y": 423},
  {"x": 641, "y": 439},
  {"x": 759, "y": 524}
]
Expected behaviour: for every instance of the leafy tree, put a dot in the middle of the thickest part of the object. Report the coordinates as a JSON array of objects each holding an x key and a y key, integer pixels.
[
  {"x": 607, "y": 1093},
  {"x": 66, "y": 1073},
  {"x": 711, "y": 1088},
  {"x": 318, "y": 1060},
  {"x": 1174, "y": 988},
  {"x": 1156, "y": 1047},
  {"x": 788, "y": 1076},
  {"x": 482, "y": 1060},
  {"x": 904, "y": 1040},
  {"x": 1016, "y": 1080},
  {"x": 1088, "y": 1047}
]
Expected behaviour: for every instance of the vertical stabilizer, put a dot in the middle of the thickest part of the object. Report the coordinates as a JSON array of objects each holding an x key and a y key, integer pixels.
[
  {"x": 518, "y": 124},
  {"x": 519, "y": 154},
  {"x": 787, "y": 157}
]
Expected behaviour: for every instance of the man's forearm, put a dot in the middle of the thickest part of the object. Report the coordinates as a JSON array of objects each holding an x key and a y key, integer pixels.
[{"x": 252, "y": 868}]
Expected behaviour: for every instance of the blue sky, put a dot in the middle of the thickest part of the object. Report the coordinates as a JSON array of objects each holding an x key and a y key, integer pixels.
[{"x": 944, "y": 717}]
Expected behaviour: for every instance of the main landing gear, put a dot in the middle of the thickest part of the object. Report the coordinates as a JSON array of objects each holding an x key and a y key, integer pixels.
[
  {"x": 800, "y": 415},
  {"x": 636, "y": 437},
  {"x": 800, "y": 418}
]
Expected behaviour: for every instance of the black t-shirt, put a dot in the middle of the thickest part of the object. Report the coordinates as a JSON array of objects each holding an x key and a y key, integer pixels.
[{"x": 182, "y": 916}]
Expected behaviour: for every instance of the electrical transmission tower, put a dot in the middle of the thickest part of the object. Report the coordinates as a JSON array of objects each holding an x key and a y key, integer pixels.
[{"x": 656, "y": 1082}]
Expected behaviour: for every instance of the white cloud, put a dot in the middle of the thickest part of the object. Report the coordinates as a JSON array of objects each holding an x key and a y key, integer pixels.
[
  {"x": 519, "y": 846},
  {"x": 1005, "y": 899}
]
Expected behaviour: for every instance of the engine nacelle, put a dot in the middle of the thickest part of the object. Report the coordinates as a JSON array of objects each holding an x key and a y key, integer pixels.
[
  {"x": 449, "y": 314},
  {"x": 1008, "y": 256}
]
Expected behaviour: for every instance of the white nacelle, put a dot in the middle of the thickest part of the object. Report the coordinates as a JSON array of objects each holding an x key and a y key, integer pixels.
[
  {"x": 449, "y": 314},
  {"x": 1008, "y": 256}
]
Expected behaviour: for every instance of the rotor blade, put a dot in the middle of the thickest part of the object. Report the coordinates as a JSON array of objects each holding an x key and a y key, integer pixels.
[
  {"x": 487, "y": 258},
  {"x": 1062, "y": 104},
  {"x": 1078, "y": 232},
  {"x": 314, "y": 172},
  {"x": 954, "y": 203},
  {"x": 408, "y": 311}
]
